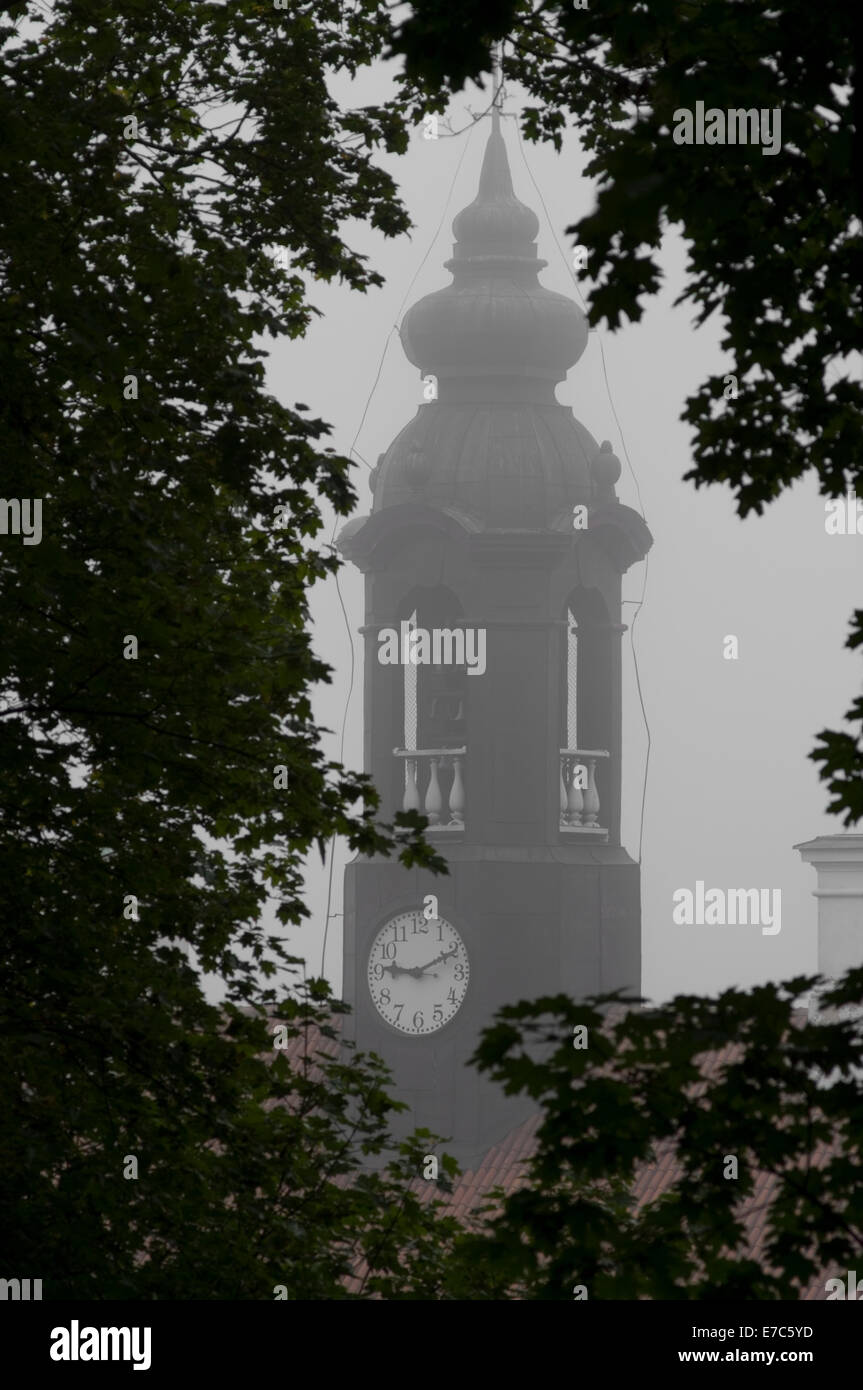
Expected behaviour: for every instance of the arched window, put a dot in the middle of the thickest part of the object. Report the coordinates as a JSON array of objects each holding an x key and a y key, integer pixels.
[
  {"x": 434, "y": 697},
  {"x": 571, "y": 680},
  {"x": 434, "y": 706},
  {"x": 410, "y": 694},
  {"x": 584, "y": 677},
  {"x": 589, "y": 707}
]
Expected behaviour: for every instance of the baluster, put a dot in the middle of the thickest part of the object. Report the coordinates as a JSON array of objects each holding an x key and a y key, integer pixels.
[
  {"x": 412, "y": 796},
  {"x": 434, "y": 800},
  {"x": 591, "y": 795},
  {"x": 576, "y": 795},
  {"x": 456, "y": 794},
  {"x": 564, "y": 763}
]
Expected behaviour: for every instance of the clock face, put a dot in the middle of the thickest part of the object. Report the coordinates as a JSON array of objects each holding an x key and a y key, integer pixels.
[{"x": 418, "y": 972}]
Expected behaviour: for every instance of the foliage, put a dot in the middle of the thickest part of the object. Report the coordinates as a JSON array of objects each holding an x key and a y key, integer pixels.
[
  {"x": 148, "y": 252},
  {"x": 693, "y": 1082}
]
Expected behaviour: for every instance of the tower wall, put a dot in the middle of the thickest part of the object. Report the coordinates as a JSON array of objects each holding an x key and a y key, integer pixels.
[{"x": 475, "y": 506}]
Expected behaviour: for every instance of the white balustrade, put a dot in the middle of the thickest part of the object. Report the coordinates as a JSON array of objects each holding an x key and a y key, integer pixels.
[
  {"x": 423, "y": 768},
  {"x": 579, "y": 803},
  {"x": 434, "y": 786},
  {"x": 411, "y": 800}
]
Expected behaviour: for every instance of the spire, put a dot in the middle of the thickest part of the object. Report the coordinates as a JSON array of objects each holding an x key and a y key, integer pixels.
[
  {"x": 495, "y": 328},
  {"x": 495, "y": 180},
  {"x": 496, "y": 223},
  {"x": 496, "y": 85}
]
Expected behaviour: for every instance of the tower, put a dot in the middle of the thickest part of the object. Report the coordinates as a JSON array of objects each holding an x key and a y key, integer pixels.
[{"x": 493, "y": 558}]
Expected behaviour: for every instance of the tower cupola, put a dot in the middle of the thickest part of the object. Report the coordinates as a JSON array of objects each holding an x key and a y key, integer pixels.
[
  {"x": 490, "y": 439},
  {"x": 495, "y": 319}
]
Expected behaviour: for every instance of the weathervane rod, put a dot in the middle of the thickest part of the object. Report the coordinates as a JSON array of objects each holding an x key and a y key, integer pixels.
[{"x": 496, "y": 82}]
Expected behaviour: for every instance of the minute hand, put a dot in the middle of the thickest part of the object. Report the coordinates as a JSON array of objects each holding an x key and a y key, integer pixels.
[{"x": 445, "y": 955}]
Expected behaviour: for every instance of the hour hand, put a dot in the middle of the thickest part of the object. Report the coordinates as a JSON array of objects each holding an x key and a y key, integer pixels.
[{"x": 395, "y": 969}]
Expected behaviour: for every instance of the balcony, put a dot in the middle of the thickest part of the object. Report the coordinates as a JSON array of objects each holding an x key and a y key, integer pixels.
[
  {"x": 434, "y": 786},
  {"x": 425, "y": 768},
  {"x": 579, "y": 798}
]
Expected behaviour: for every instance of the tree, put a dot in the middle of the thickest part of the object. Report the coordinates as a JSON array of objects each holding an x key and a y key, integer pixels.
[
  {"x": 704, "y": 1081},
  {"x": 162, "y": 774},
  {"x": 161, "y": 768},
  {"x": 775, "y": 239}
]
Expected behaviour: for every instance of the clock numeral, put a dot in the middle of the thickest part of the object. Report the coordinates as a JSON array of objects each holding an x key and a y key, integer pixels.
[{"x": 385, "y": 972}]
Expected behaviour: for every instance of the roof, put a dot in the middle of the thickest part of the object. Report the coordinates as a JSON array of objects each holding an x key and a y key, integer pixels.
[{"x": 504, "y": 1166}]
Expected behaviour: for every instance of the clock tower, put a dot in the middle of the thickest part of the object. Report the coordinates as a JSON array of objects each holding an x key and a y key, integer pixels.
[{"x": 493, "y": 558}]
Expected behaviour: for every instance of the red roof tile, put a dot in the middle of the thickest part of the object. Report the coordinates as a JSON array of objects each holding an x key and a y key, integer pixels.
[{"x": 504, "y": 1165}]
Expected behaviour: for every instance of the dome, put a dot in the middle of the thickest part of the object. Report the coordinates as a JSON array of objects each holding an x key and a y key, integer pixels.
[
  {"x": 494, "y": 444},
  {"x": 495, "y": 320},
  {"x": 518, "y": 466}
]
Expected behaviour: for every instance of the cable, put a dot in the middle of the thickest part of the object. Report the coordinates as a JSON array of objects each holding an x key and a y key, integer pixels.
[
  {"x": 353, "y": 450},
  {"x": 638, "y": 602}
]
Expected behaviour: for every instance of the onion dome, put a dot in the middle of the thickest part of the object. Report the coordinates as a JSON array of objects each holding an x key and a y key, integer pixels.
[
  {"x": 495, "y": 319},
  {"x": 492, "y": 443}
]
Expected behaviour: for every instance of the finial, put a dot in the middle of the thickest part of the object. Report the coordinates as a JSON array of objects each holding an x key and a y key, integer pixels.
[{"x": 496, "y": 83}]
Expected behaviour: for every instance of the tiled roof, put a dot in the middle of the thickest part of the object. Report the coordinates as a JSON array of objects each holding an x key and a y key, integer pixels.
[{"x": 504, "y": 1165}]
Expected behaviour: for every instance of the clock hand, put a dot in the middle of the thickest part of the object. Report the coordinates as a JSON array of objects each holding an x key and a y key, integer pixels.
[
  {"x": 445, "y": 955},
  {"x": 396, "y": 969},
  {"x": 416, "y": 971}
]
